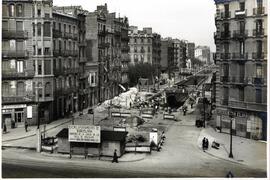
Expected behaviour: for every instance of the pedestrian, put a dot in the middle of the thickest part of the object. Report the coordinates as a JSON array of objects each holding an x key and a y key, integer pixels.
[
  {"x": 203, "y": 144},
  {"x": 130, "y": 105},
  {"x": 163, "y": 135},
  {"x": 184, "y": 110},
  {"x": 5, "y": 128},
  {"x": 115, "y": 157},
  {"x": 25, "y": 125},
  {"x": 230, "y": 174},
  {"x": 191, "y": 105}
]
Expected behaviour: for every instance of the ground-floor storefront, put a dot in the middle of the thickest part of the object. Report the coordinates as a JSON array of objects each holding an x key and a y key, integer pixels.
[
  {"x": 15, "y": 115},
  {"x": 65, "y": 105},
  {"x": 248, "y": 124}
]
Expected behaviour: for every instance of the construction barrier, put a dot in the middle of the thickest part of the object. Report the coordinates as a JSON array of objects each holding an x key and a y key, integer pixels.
[
  {"x": 169, "y": 116},
  {"x": 120, "y": 114},
  {"x": 138, "y": 149}
]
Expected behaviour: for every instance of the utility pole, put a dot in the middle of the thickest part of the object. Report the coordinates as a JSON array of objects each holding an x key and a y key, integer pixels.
[
  {"x": 231, "y": 118},
  {"x": 38, "y": 133}
]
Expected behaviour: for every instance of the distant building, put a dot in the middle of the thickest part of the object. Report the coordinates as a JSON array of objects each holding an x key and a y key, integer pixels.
[
  {"x": 180, "y": 54},
  {"x": 145, "y": 46},
  {"x": 241, "y": 54},
  {"x": 167, "y": 58},
  {"x": 203, "y": 54},
  {"x": 190, "y": 47}
]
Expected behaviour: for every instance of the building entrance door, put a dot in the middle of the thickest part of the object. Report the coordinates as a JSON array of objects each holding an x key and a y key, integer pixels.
[{"x": 19, "y": 117}]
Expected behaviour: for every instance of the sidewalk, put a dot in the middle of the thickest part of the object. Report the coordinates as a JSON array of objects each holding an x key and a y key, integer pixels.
[{"x": 245, "y": 151}]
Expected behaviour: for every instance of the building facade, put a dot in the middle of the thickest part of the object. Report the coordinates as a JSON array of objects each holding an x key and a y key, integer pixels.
[
  {"x": 144, "y": 46},
  {"x": 27, "y": 71},
  {"x": 241, "y": 82},
  {"x": 203, "y": 54}
]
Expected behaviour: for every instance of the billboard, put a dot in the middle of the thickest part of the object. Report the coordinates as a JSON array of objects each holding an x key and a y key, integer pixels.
[
  {"x": 153, "y": 136},
  {"x": 84, "y": 133}
]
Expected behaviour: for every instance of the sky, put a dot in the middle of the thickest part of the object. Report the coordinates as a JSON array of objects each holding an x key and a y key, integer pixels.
[{"x": 192, "y": 20}]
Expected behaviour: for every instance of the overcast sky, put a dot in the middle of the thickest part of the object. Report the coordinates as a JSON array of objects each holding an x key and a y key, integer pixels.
[{"x": 192, "y": 20}]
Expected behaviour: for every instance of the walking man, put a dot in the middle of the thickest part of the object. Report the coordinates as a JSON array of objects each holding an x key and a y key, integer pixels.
[
  {"x": 115, "y": 158},
  {"x": 25, "y": 125},
  {"x": 203, "y": 144}
]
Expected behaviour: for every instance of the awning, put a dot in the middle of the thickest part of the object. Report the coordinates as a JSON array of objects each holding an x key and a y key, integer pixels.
[{"x": 122, "y": 87}]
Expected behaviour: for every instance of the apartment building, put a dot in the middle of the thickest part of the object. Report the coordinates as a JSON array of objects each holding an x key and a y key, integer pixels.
[
  {"x": 144, "y": 46},
  {"x": 66, "y": 61},
  {"x": 190, "y": 47},
  {"x": 27, "y": 62},
  {"x": 203, "y": 54},
  {"x": 180, "y": 53},
  {"x": 241, "y": 82},
  {"x": 167, "y": 56}
]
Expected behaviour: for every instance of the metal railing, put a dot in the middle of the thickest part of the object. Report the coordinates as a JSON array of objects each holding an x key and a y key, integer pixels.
[
  {"x": 257, "y": 55},
  {"x": 14, "y": 34},
  {"x": 15, "y": 53},
  {"x": 258, "y": 11},
  {"x": 6, "y": 74},
  {"x": 248, "y": 105},
  {"x": 18, "y": 99},
  {"x": 240, "y": 33},
  {"x": 258, "y": 32}
]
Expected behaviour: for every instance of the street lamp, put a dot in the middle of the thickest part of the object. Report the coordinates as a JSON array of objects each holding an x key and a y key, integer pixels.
[
  {"x": 231, "y": 118},
  {"x": 38, "y": 128}
]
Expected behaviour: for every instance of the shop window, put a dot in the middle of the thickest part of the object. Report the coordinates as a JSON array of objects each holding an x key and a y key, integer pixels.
[
  {"x": 11, "y": 10},
  {"x": 20, "y": 89},
  {"x": 47, "y": 29},
  {"x": 19, "y": 10},
  {"x": 48, "y": 89}
]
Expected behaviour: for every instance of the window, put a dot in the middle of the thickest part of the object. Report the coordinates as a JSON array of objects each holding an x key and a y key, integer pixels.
[
  {"x": 141, "y": 40},
  {"x": 135, "y": 40},
  {"x": 39, "y": 51},
  {"x": 20, "y": 66},
  {"x": 242, "y": 6},
  {"x": 258, "y": 96},
  {"x": 59, "y": 27},
  {"x": 149, "y": 50},
  {"x": 5, "y": 89},
  {"x": 11, "y": 10},
  {"x": 39, "y": 89},
  {"x": 19, "y": 25},
  {"x": 135, "y": 48},
  {"x": 5, "y": 25},
  {"x": 19, "y": 10},
  {"x": 39, "y": 29},
  {"x": 69, "y": 28},
  {"x": 4, "y": 10},
  {"x": 64, "y": 28},
  {"x": 19, "y": 45},
  {"x": 47, "y": 29},
  {"x": 241, "y": 94},
  {"x": 149, "y": 40},
  {"x": 47, "y": 51},
  {"x": 74, "y": 30},
  {"x": 39, "y": 12},
  {"x": 34, "y": 29},
  {"x": 12, "y": 45},
  {"x": 48, "y": 89},
  {"x": 20, "y": 89},
  {"x": 258, "y": 70},
  {"x": 60, "y": 45},
  {"x": 39, "y": 67}
]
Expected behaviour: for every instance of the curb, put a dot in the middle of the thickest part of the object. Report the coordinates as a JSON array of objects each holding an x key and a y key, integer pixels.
[
  {"x": 35, "y": 132},
  {"x": 83, "y": 157},
  {"x": 19, "y": 147}
]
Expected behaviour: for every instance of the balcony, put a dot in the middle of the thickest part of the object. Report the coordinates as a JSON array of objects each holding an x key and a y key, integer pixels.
[
  {"x": 240, "y": 34},
  {"x": 224, "y": 102},
  {"x": 225, "y": 35},
  {"x": 258, "y": 81},
  {"x": 239, "y": 56},
  {"x": 238, "y": 80},
  {"x": 225, "y": 56},
  {"x": 225, "y": 15},
  {"x": 67, "y": 35},
  {"x": 224, "y": 79},
  {"x": 13, "y": 74},
  {"x": 258, "y": 56},
  {"x": 258, "y": 11},
  {"x": 124, "y": 38},
  {"x": 56, "y": 52},
  {"x": 240, "y": 14},
  {"x": 102, "y": 33},
  {"x": 18, "y": 99},
  {"x": 125, "y": 49},
  {"x": 71, "y": 70},
  {"x": 82, "y": 43},
  {"x": 75, "y": 37},
  {"x": 15, "y": 54},
  {"x": 258, "y": 32},
  {"x": 248, "y": 105},
  {"x": 103, "y": 45},
  {"x": 14, "y": 34},
  {"x": 57, "y": 33}
]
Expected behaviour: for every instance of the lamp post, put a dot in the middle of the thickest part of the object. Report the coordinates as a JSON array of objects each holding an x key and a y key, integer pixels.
[
  {"x": 38, "y": 133},
  {"x": 231, "y": 118}
]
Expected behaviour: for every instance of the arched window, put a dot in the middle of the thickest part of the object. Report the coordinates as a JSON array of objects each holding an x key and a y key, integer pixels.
[
  {"x": 48, "y": 89},
  {"x": 19, "y": 10},
  {"x": 20, "y": 89},
  {"x": 5, "y": 89},
  {"x": 11, "y": 10}
]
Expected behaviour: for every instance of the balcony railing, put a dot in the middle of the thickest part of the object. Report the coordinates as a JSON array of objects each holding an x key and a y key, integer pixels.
[
  {"x": 104, "y": 45},
  {"x": 102, "y": 33},
  {"x": 258, "y": 11},
  {"x": 258, "y": 32},
  {"x": 225, "y": 35},
  {"x": 224, "y": 102},
  {"x": 68, "y": 35},
  {"x": 225, "y": 15},
  {"x": 9, "y": 74},
  {"x": 18, "y": 99},
  {"x": 238, "y": 79},
  {"x": 71, "y": 70},
  {"x": 239, "y": 14},
  {"x": 125, "y": 49},
  {"x": 82, "y": 43},
  {"x": 15, "y": 53},
  {"x": 57, "y": 33},
  {"x": 258, "y": 80},
  {"x": 248, "y": 105},
  {"x": 225, "y": 56},
  {"x": 14, "y": 34},
  {"x": 239, "y": 56},
  {"x": 240, "y": 34},
  {"x": 224, "y": 78},
  {"x": 258, "y": 56}
]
